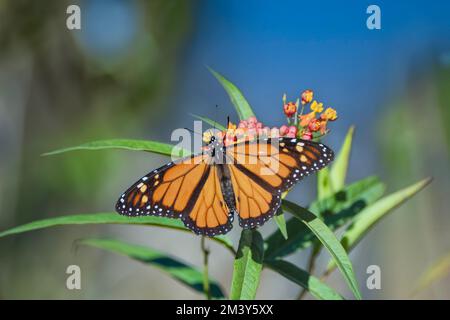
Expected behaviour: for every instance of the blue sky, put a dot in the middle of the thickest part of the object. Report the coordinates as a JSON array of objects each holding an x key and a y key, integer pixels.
[{"x": 269, "y": 47}]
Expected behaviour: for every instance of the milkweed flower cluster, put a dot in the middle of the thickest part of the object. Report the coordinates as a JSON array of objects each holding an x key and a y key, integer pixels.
[
  {"x": 299, "y": 125},
  {"x": 250, "y": 129},
  {"x": 314, "y": 123}
]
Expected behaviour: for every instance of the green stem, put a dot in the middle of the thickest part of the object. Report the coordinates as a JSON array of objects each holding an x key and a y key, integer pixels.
[
  {"x": 311, "y": 265},
  {"x": 205, "y": 251}
]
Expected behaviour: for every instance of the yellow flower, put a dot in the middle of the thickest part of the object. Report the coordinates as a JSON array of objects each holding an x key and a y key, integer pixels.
[
  {"x": 317, "y": 107},
  {"x": 307, "y": 96},
  {"x": 329, "y": 114},
  {"x": 207, "y": 135},
  {"x": 231, "y": 126}
]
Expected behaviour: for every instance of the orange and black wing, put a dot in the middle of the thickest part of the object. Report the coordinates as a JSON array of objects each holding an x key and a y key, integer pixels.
[
  {"x": 187, "y": 189},
  {"x": 262, "y": 170},
  {"x": 210, "y": 214}
]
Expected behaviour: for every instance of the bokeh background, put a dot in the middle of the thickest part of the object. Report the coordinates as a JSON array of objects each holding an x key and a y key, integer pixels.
[{"x": 138, "y": 68}]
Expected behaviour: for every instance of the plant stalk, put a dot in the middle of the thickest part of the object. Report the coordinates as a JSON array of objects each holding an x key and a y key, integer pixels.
[
  {"x": 206, "y": 288},
  {"x": 311, "y": 267}
]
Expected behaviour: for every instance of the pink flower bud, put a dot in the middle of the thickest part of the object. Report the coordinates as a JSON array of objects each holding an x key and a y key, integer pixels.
[
  {"x": 293, "y": 129},
  {"x": 307, "y": 136},
  {"x": 284, "y": 129},
  {"x": 259, "y": 125},
  {"x": 243, "y": 124},
  {"x": 290, "y": 135},
  {"x": 252, "y": 120}
]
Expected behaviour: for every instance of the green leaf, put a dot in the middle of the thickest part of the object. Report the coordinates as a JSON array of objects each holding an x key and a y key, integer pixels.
[
  {"x": 336, "y": 210},
  {"x": 136, "y": 145},
  {"x": 281, "y": 223},
  {"x": 210, "y": 122},
  {"x": 371, "y": 215},
  {"x": 281, "y": 220},
  {"x": 367, "y": 218},
  {"x": 435, "y": 272},
  {"x": 237, "y": 98},
  {"x": 324, "y": 189},
  {"x": 338, "y": 171},
  {"x": 247, "y": 265},
  {"x": 109, "y": 218},
  {"x": 178, "y": 270},
  {"x": 329, "y": 241},
  {"x": 314, "y": 286}
]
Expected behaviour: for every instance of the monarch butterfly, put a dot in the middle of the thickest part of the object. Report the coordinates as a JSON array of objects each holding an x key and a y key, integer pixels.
[{"x": 206, "y": 190}]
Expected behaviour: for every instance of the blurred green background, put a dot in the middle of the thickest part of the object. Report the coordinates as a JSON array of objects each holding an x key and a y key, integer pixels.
[{"x": 137, "y": 69}]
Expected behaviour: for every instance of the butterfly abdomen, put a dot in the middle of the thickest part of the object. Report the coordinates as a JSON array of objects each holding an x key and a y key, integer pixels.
[{"x": 227, "y": 186}]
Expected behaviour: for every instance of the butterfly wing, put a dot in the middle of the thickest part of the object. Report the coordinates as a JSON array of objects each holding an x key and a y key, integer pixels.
[
  {"x": 210, "y": 214},
  {"x": 188, "y": 189},
  {"x": 262, "y": 170}
]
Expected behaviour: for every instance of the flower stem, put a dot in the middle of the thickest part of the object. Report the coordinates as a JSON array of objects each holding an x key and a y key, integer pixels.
[
  {"x": 205, "y": 251},
  {"x": 311, "y": 265}
]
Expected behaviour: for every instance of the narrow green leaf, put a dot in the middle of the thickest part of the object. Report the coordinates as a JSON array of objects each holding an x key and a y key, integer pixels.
[
  {"x": 338, "y": 171},
  {"x": 281, "y": 220},
  {"x": 329, "y": 241},
  {"x": 324, "y": 189},
  {"x": 314, "y": 286},
  {"x": 175, "y": 268},
  {"x": 371, "y": 215},
  {"x": 439, "y": 270},
  {"x": 336, "y": 210},
  {"x": 368, "y": 217},
  {"x": 247, "y": 265},
  {"x": 237, "y": 98},
  {"x": 210, "y": 122},
  {"x": 136, "y": 145},
  {"x": 281, "y": 223},
  {"x": 109, "y": 218}
]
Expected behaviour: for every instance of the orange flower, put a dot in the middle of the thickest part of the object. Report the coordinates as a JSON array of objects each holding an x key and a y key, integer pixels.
[
  {"x": 316, "y": 107},
  {"x": 329, "y": 114},
  {"x": 323, "y": 126},
  {"x": 307, "y": 96},
  {"x": 314, "y": 125},
  {"x": 306, "y": 118},
  {"x": 290, "y": 109}
]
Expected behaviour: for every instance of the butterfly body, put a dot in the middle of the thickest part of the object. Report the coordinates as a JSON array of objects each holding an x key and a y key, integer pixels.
[{"x": 206, "y": 190}]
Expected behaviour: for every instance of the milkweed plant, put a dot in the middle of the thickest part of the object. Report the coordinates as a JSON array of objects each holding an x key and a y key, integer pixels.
[{"x": 354, "y": 208}]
